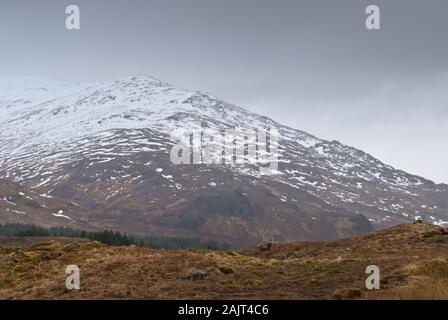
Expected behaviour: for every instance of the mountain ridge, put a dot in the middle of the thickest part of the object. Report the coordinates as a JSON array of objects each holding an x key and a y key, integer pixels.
[{"x": 106, "y": 145}]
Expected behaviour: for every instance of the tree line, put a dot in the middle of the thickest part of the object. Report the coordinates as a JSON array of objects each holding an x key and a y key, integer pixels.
[{"x": 110, "y": 237}]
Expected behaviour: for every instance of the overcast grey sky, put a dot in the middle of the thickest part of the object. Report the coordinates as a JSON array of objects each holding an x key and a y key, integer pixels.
[{"x": 309, "y": 64}]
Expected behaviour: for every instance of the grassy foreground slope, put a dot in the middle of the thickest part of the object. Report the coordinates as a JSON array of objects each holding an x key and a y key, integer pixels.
[{"x": 413, "y": 260}]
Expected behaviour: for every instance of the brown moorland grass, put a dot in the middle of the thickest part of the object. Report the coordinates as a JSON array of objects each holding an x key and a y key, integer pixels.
[{"x": 413, "y": 260}]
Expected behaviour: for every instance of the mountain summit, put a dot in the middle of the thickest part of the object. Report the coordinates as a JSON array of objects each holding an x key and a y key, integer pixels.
[{"x": 104, "y": 147}]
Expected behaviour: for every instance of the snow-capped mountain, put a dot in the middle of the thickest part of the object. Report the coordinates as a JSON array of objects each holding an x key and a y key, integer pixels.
[{"x": 106, "y": 145}]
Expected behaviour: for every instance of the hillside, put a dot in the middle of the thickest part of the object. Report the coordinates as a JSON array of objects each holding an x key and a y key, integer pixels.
[
  {"x": 413, "y": 260},
  {"x": 105, "y": 147},
  {"x": 26, "y": 205}
]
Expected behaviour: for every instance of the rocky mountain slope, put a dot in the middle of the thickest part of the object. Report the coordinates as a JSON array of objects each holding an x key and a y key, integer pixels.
[
  {"x": 24, "y": 205},
  {"x": 106, "y": 146},
  {"x": 412, "y": 260}
]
